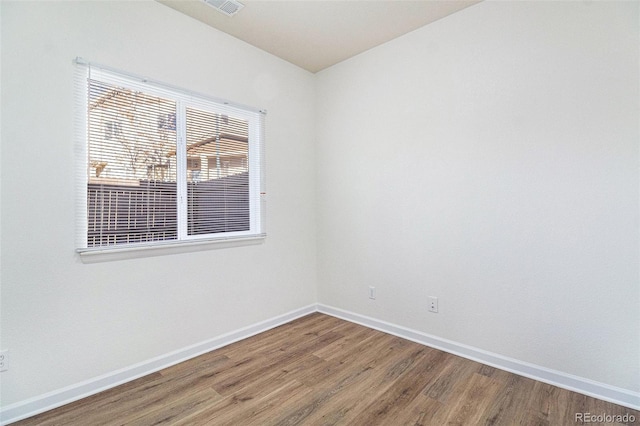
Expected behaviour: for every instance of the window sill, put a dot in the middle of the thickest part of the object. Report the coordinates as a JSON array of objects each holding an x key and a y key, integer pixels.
[{"x": 107, "y": 254}]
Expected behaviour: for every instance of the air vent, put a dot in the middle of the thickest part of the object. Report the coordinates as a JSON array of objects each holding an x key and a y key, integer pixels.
[{"x": 228, "y": 7}]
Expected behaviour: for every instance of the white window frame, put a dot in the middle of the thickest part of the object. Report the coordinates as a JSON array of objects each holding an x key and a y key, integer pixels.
[{"x": 184, "y": 99}]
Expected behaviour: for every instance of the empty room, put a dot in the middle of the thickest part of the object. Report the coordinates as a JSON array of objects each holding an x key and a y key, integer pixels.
[{"x": 319, "y": 212}]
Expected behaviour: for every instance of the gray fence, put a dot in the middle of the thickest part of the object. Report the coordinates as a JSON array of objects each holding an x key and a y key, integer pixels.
[{"x": 120, "y": 214}]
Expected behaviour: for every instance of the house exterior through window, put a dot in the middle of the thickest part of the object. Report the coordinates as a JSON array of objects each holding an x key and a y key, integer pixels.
[{"x": 163, "y": 166}]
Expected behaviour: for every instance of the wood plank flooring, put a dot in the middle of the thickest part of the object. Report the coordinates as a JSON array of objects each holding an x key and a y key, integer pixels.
[{"x": 320, "y": 370}]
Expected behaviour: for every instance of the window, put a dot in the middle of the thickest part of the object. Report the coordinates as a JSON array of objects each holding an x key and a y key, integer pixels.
[
  {"x": 166, "y": 166},
  {"x": 112, "y": 129}
]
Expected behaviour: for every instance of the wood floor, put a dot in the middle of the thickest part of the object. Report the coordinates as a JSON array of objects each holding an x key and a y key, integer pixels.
[{"x": 320, "y": 370}]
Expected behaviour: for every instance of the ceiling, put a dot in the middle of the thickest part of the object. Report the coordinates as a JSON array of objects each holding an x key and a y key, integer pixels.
[{"x": 316, "y": 34}]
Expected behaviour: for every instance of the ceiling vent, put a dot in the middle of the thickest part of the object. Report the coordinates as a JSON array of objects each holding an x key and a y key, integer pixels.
[{"x": 228, "y": 7}]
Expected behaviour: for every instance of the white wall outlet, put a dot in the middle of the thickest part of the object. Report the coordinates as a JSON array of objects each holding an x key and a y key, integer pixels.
[
  {"x": 433, "y": 304},
  {"x": 4, "y": 360},
  {"x": 372, "y": 292}
]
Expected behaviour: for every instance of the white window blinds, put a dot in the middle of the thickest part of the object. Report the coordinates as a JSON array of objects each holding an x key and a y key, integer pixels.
[{"x": 165, "y": 165}]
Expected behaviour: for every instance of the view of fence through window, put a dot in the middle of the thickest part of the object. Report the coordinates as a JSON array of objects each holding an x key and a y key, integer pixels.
[
  {"x": 217, "y": 166},
  {"x": 133, "y": 169}
]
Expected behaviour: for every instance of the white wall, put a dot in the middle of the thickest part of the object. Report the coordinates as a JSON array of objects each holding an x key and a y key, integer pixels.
[
  {"x": 64, "y": 321},
  {"x": 491, "y": 159}
]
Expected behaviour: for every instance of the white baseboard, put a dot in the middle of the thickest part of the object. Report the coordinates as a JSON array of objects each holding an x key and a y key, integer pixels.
[
  {"x": 570, "y": 382},
  {"x": 57, "y": 398},
  {"x": 31, "y": 407}
]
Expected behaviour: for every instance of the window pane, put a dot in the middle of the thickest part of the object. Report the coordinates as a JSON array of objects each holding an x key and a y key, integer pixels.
[
  {"x": 217, "y": 173},
  {"x": 132, "y": 166}
]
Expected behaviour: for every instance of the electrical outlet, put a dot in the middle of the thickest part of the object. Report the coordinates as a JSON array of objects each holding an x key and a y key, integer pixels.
[
  {"x": 433, "y": 304},
  {"x": 4, "y": 360},
  {"x": 372, "y": 292}
]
